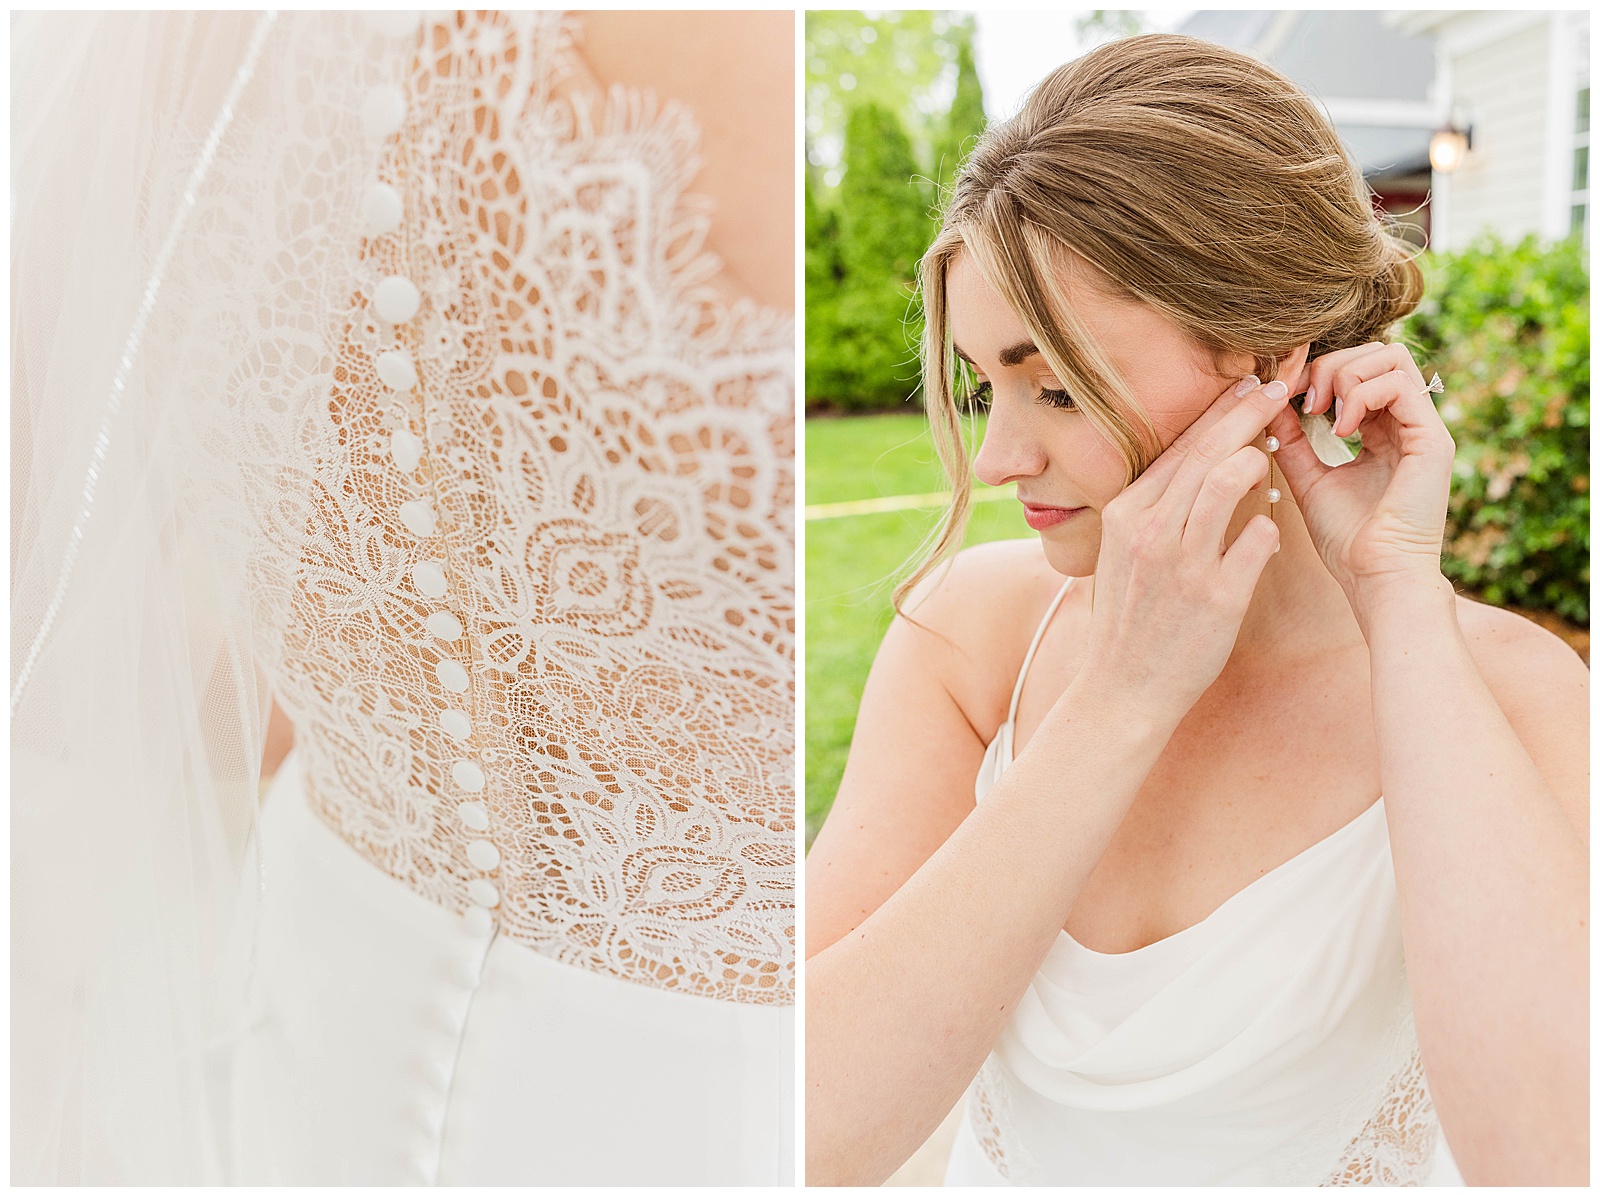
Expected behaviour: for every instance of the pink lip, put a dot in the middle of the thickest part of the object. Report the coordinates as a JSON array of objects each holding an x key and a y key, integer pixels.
[{"x": 1040, "y": 518}]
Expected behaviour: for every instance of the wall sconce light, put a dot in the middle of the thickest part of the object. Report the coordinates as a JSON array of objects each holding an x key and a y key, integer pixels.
[{"x": 1448, "y": 147}]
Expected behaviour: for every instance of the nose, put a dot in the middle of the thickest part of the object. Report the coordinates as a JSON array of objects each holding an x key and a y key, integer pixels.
[{"x": 1009, "y": 450}]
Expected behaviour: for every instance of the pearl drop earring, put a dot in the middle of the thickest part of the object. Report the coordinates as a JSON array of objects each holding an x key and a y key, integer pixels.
[{"x": 1273, "y": 493}]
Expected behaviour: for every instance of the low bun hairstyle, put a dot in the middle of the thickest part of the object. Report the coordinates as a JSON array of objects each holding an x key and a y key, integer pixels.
[
  {"x": 1380, "y": 299},
  {"x": 1193, "y": 179}
]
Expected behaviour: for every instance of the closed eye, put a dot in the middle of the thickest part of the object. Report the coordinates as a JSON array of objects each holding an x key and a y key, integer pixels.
[
  {"x": 980, "y": 395},
  {"x": 1057, "y": 399}
]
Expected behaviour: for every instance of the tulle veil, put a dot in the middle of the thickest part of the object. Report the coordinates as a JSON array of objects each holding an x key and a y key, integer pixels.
[{"x": 167, "y": 168}]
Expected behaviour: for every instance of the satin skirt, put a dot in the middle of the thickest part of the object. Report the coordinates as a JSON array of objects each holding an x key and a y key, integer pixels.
[{"x": 383, "y": 1042}]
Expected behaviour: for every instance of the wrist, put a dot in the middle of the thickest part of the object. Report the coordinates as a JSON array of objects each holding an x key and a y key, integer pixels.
[
  {"x": 1117, "y": 708},
  {"x": 1402, "y": 601}
]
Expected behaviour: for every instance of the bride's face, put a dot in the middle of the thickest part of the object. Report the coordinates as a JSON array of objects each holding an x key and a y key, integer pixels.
[{"x": 1066, "y": 471}]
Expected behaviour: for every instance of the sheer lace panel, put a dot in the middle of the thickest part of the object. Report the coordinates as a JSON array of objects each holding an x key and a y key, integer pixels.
[
  {"x": 1396, "y": 1146},
  {"x": 989, "y": 1109},
  {"x": 540, "y": 649}
]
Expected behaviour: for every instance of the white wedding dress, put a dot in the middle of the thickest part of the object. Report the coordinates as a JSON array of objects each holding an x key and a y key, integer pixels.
[
  {"x": 1272, "y": 1043},
  {"x": 392, "y": 381}
]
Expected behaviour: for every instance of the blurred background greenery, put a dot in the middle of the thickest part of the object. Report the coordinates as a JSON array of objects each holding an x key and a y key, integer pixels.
[{"x": 892, "y": 102}]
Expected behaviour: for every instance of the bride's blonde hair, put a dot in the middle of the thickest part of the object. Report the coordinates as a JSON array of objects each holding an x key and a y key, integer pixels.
[{"x": 1188, "y": 177}]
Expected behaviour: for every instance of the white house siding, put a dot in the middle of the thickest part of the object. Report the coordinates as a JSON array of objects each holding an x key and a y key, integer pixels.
[{"x": 1504, "y": 88}]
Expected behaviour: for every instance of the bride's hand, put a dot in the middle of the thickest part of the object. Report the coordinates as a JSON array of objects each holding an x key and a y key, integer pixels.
[
  {"x": 1168, "y": 600},
  {"x": 1377, "y": 521}
]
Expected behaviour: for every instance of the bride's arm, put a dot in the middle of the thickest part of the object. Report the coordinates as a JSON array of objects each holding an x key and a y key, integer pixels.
[
  {"x": 1484, "y": 763},
  {"x": 1487, "y": 796},
  {"x": 926, "y": 928}
]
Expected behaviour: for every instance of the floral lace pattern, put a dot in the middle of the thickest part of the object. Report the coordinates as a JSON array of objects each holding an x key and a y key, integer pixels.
[
  {"x": 606, "y": 464},
  {"x": 988, "y": 1109},
  {"x": 1396, "y": 1145},
  {"x": 1383, "y": 1130}
]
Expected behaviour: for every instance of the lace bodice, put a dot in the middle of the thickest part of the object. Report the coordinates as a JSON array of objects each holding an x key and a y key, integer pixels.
[{"x": 528, "y": 536}]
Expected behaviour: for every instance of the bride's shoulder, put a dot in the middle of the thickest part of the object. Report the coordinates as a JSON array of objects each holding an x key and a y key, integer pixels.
[
  {"x": 976, "y": 613},
  {"x": 1513, "y": 651}
]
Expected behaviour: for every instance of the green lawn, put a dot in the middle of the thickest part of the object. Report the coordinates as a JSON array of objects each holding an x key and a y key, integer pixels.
[{"x": 851, "y": 562}]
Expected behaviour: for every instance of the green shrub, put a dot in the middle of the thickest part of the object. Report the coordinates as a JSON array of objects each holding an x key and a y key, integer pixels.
[{"x": 1507, "y": 328}]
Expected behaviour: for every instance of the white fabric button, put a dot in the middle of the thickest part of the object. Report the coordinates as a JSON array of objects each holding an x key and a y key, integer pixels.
[
  {"x": 467, "y": 775},
  {"x": 451, "y": 676},
  {"x": 445, "y": 625},
  {"x": 474, "y": 815},
  {"x": 455, "y": 724},
  {"x": 483, "y": 854},
  {"x": 428, "y": 578},
  {"x": 396, "y": 370},
  {"x": 477, "y": 921},
  {"x": 383, "y": 111},
  {"x": 405, "y": 447},
  {"x": 397, "y": 299},
  {"x": 418, "y": 517},
  {"x": 483, "y": 892},
  {"x": 383, "y": 209}
]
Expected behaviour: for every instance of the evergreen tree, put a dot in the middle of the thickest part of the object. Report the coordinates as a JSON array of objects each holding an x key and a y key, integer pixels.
[
  {"x": 965, "y": 120},
  {"x": 883, "y": 228},
  {"x": 824, "y": 276}
]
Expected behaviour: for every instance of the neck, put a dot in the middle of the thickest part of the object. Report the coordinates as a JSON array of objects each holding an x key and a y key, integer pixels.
[{"x": 1298, "y": 609}]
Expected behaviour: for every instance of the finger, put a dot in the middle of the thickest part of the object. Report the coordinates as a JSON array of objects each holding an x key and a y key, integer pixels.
[
  {"x": 1297, "y": 460},
  {"x": 1319, "y": 375},
  {"x": 1400, "y": 394},
  {"x": 1236, "y": 429},
  {"x": 1247, "y": 556},
  {"x": 1353, "y": 373},
  {"x": 1224, "y": 487}
]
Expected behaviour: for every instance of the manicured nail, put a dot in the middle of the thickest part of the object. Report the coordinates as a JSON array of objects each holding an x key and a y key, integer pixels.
[
  {"x": 1311, "y": 399},
  {"x": 1338, "y": 411},
  {"x": 1246, "y": 384},
  {"x": 1276, "y": 389}
]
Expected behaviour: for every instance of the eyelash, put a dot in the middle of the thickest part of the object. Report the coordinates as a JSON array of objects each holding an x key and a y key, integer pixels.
[{"x": 1057, "y": 399}]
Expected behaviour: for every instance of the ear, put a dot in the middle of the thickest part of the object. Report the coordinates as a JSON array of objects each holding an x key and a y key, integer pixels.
[{"x": 1292, "y": 367}]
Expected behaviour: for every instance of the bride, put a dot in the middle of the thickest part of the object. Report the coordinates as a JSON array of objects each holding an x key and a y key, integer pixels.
[
  {"x": 375, "y": 368},
  {"x": 1208, "y": 838}
]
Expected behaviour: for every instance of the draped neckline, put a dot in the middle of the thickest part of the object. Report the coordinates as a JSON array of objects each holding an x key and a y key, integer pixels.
[{"x": 1000, "y": 746}]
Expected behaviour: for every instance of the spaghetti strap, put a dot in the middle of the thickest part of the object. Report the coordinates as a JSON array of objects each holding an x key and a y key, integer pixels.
[{"x": 1016, "y": 691}]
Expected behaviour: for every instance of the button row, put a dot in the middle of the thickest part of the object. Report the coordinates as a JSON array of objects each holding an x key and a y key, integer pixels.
[{"x": 397, "y": 299}]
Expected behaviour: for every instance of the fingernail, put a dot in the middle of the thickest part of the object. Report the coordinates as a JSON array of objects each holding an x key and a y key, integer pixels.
[
  {"x": 1311, "y": 399},
  {"x": 1277, "y": 547},
  {"x": 1338, "y": 411},
  {"x": 1276, "y": 389},
  {"x": 1246, "y": 384}
]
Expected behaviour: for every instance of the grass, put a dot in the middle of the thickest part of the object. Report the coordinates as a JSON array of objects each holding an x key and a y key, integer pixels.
[{"x": 851, "y": 564}]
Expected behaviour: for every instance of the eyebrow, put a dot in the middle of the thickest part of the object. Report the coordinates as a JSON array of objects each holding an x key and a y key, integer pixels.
[{"x": 1012, "y": 355}]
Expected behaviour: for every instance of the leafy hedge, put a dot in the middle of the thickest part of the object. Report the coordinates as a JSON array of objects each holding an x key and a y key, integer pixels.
[{"x": 1507, "y": 328}]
